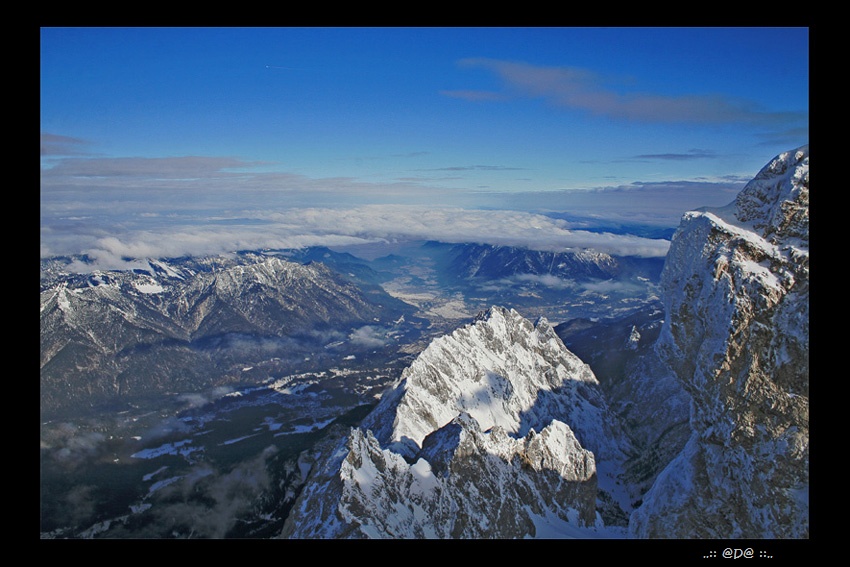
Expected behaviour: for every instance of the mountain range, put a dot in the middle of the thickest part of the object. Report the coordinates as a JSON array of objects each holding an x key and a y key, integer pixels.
[
  {"x": 110, "y": 337},
  {"x": 498, "y": 430},
  {"x": 668, "y": 399}
]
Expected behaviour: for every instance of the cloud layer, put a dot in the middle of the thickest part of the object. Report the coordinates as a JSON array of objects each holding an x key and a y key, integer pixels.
[
  {"x": 111, "y": 244},
  {"x": 118, "y": 208}
]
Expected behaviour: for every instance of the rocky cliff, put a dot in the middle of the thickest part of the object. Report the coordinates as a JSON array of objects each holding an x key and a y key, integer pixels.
[{"x": 736, "y": 289}]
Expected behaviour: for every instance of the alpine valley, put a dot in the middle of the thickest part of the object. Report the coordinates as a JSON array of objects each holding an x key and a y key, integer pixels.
[{"x": 439, "y": 390}]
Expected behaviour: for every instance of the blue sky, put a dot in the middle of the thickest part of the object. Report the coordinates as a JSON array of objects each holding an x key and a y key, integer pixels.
[{"x": 199, "y": 140}]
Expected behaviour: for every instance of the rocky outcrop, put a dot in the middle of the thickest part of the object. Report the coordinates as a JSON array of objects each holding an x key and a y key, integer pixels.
[
  {"x": 494, "y": 431},
  {"x": 465, "y": 484},
  {"x": 736, "y": 289}
]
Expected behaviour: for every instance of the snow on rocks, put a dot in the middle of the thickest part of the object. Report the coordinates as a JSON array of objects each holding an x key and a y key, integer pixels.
[
  {"x": 467, "y": 444},
  {"x": 735, "y": 286}
]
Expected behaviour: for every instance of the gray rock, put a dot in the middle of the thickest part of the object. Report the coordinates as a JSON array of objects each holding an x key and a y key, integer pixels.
[{"x": 736, "y": 287}]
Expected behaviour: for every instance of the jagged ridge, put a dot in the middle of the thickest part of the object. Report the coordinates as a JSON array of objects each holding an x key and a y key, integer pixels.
[
  {"x": 106, "y": 336},
  {"x": 498, "y": 415}
]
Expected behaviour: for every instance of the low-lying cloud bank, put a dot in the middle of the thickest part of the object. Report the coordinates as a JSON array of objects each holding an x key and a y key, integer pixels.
[
  {"x": 114, "y": 209},
  {"x": 170, "y": 236}
]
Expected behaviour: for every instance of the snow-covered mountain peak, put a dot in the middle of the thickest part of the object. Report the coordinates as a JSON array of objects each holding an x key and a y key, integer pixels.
[
  {"x": 775, "y": 202},
  {"x": 496, "y": 415},
  {"x": 494, "y": 369},
  {"x": 134, "y": 327}
]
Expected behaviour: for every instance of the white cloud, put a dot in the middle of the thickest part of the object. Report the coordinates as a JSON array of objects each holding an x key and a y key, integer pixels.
[
  {"x": 300, "y": 227},
  {"x": 545, "y": 280},
  {"x": 611, "y": 286},
  {"x": 368, "y": 337},
  {"x": 114, "y": 209}
]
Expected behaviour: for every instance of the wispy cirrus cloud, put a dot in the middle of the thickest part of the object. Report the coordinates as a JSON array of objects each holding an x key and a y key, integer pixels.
[
  {"x": 787, "y": 136},
  {"x": 474, "y": 168},
  {"x": 205, "y": 179},
  {"x": 683, "y": 156},
  {"x": 184, "y": 167},
  {"x": 58, "y": 145},
  {"x": 583, "y": 89},
  {"x": 475, "y": 96}
]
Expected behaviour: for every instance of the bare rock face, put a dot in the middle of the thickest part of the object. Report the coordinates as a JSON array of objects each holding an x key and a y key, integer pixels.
[
  {"x": 736, "y": 287},
  {"x": 472, "y": 443}
]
